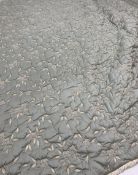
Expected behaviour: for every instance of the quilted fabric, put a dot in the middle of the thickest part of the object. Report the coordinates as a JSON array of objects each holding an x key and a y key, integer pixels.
[{"x": 68, "y": 86}]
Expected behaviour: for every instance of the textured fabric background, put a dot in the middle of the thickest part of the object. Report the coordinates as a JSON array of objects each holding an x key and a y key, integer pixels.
[{"x": 68, "y": 86}]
